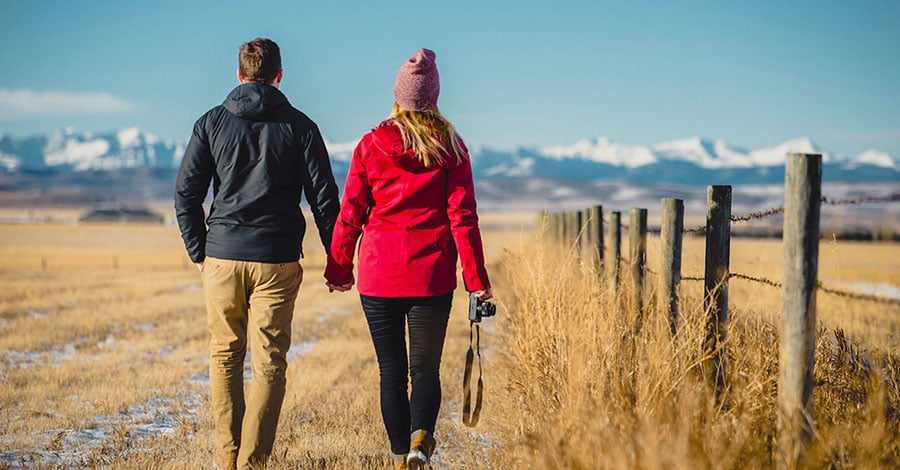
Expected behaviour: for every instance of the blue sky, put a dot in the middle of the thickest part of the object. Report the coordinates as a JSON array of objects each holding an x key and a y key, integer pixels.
[{"x": 512, "y": 72}]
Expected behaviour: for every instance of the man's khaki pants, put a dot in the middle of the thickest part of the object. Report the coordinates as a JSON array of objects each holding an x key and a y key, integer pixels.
[{"x": 248, "y": 303}]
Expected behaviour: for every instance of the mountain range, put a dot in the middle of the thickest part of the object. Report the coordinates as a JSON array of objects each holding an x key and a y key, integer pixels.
[
  {"x": 692, "y": 161},
  {"x": 67, "y": 167}
]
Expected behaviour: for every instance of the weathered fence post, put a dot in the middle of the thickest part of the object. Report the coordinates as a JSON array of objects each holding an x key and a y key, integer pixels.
[
  {"x": 671, "y": 230},
  {"x": 715, "y": 286},
  {"x": 578, "y": 232},
  {"x": 563, "y": 228},
  {"x": 615, "y": 230},
  {"x": 586, "y": 237},
  {"x": 571, "y": 228},
  {"x": 637, "y": 244},
  {"x": 559, "y": 224},
  {"x": 802, "y": 201},
  {"x": 595, "y": 229}
]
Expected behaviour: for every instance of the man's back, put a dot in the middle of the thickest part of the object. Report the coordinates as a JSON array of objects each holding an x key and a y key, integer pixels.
[{"x": 260, "y": 153}]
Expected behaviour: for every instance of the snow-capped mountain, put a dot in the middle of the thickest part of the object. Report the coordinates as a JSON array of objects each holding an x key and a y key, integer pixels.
[
  {"x": 68, "y": 150},
  {"x": 692, "y": 161}
]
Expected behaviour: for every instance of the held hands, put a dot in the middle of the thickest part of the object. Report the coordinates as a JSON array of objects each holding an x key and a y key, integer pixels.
[
  {"x": 335, "y": 287},
  {"x": 339, "y": 287}
]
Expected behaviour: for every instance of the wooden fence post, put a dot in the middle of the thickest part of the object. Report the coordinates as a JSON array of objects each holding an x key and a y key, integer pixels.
[
  {"x": 559, "y": 224},
  {"x": 570, "y": 229},
  {"x": 802, "y": 203},
  {"x": 670, "y": 258},
  {"x": 586, "y": 239},
  {"x": 715, "y": 285},
  {"x": 577, "y": 233},
  {"x": 615, "y": 229},
  {"x": 595, "y": 228},
  {"x": 637, "y": 244}
]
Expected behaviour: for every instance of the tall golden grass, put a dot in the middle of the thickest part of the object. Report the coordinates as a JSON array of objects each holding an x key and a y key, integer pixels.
[
  {"x": 587, "y": 385},
  {"x": 88, "y": 346}
]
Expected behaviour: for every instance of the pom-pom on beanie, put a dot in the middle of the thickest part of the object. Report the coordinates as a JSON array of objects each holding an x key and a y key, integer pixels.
[{"x": 418, "y": 83}]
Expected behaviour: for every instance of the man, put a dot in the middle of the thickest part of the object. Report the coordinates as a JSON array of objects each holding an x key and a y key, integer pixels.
[{"x": 260, "y": 153}]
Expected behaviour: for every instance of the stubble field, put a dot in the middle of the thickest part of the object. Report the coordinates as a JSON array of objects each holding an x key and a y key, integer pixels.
[{"x": 103, "y": 361}]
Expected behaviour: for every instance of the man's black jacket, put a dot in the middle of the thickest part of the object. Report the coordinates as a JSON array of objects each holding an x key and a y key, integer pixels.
[{"x": 260, "y": 154}]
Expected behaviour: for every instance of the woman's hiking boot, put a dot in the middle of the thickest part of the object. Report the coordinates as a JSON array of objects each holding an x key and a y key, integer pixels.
[
  {"x": 420, "y": 449},
  {"x": 399, "y": 461}
]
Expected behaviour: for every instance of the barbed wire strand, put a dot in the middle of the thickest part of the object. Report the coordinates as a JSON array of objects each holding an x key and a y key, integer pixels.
[
  {"x": 824, "y": 289},
  {"x": 827, "y": 290},
  {"x": 779, "y": 210},
  {"x": 860, "y": 200}
]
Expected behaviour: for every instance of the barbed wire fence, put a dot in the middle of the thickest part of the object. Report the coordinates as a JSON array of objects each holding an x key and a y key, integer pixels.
[
  {"x": 767, "y": 213},
  {"x": 583, "y": 231}
]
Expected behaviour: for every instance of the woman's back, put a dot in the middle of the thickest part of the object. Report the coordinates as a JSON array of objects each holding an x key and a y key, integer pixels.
[{"x": 405, "y": 194}]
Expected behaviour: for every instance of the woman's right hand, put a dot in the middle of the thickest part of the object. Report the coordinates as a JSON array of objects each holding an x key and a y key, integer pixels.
[
  {"x": 484, "y": 294},
  {"x": 339, "y": 288}
]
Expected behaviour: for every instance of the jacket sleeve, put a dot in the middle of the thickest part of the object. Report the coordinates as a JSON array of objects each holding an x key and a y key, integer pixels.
[
  {"x": 319, "y": 187},
  {"x": 464, "y": 226},
  {"x": 191, "y": 186},
  {"x": 354, "y": 212}
]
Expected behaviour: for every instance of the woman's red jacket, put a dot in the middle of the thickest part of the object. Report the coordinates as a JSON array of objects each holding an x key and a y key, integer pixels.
[{"x": 412, "y": 221}]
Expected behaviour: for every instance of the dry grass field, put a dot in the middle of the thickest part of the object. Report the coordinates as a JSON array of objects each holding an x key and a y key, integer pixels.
[{"x": 103, "y": 361}]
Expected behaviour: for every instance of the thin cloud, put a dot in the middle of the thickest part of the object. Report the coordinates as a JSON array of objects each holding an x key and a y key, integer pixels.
[{"x": 16, "y": 104}]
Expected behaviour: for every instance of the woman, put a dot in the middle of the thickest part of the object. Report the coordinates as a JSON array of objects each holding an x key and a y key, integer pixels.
[{"x": 410, "y": 196}]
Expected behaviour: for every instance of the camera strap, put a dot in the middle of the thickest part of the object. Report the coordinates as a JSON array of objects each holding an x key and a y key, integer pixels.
[{"x": 470, "y": 415}]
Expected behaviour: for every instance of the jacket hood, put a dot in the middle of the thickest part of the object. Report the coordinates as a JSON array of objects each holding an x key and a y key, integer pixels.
[
  {"x": 389, "y": 141},
  {"x": 255, "y": 101}
]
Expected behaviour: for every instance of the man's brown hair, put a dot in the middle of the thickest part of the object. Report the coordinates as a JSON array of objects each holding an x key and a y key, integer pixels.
[{"x": 260, "y": 60}]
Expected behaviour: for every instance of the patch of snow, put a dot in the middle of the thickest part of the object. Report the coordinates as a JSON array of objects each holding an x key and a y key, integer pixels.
[
  {"x": 301, "y": 349},
  {"x": 9, "y": 161},
  {"x": 517, "y": 168},
  {"x": 776, "y": 156},
  {"x": 130, "y": 137},
  {"x": 874, "y": 157},
  {"x": 199, "y": 379},
  {"x": 52, "y": 356},
  {"x": 110, "y": 339},
  {"x": 35, "y": 315},
  {"x": 603, "y": 150},
  {"x": 178, "y": 154},
  {"x": 881, "y": 289},
  {"x": 342, "y": 152},
  {"x": 77, "y": 153}
]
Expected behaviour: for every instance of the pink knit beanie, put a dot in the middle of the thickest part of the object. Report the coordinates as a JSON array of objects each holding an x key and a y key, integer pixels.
[{"x": 418, "y": 83}]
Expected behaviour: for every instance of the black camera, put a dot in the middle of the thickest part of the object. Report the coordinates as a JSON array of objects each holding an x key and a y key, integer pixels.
[{"x": 480, "y": 308}]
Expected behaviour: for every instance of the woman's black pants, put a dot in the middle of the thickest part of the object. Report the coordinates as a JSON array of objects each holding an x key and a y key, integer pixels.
[{"x": 427, "y": 318}]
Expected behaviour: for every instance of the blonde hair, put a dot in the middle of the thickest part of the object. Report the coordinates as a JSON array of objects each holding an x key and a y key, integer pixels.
[{"x": 427, "y": 133}]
